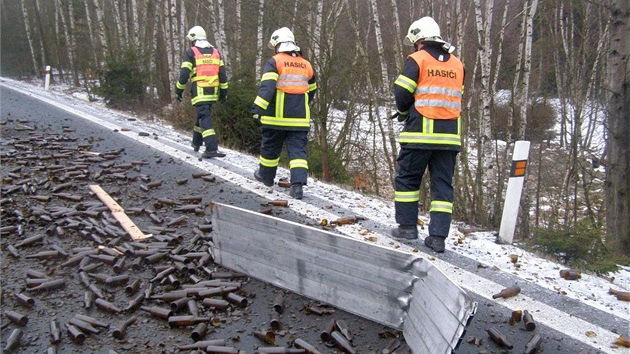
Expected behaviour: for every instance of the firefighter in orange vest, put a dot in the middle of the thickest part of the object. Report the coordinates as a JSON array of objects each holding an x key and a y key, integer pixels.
[
  {"x": 287, "y": 87},
  {"x": 209, "y": 83},
  {"x": 428, "y": 96}
]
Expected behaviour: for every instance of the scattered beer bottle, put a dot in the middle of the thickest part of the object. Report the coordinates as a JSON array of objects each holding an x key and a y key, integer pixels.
[
  {"x": 532, "y": 345},
  {"x": 328, "y": 328},
  {"x": 157, "y": 312},
  {"x": 119, "y": 331},
  {"x": 508, "y": 292},
  {"x": 55, "y": 332},
  {"x": 343, "y": 328},
  {"x": 499, "y": 337},
  {"x": 25, "y": 300},
  {"x": 342, "y": 342},
  {"x": 106, "y": 305},
  {"x": 83, "y": 326},
  {"x": 265, "y": 336},
  {"x": 14, "y": 340},
  {"x": 516, "y": 317},
  {"x": 278, "y": 303},
  {"x": 302, "y": 344},
  {"x": 49, "y": 285},
  {"x": 278, "y": 202},
  {"x": 530, "y": 325},
  {"x": 199, "y": 331},
  {"x": 570, "y": 274},
  {"x": 76, "y": 334}
]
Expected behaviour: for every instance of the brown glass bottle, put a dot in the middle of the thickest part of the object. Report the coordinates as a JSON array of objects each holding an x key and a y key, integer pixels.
[
  {"x": 183, "y": 321},
  {"x": 49, "y": 285},
  {"x": 532, "y": 345},
  {"x": 499, "y": 337},
  {"x": 278, "y": 303},
  {"x": 530, "y": 325},
  {"x": 199, "y": 331},
  {"x": 265, "y": 336},
  {"x": 343, "y": 328},
  {"x": 83, "y": 326},
  {"x": 157, "y": 312},
  {"x": 55, "y": 332},
  {"x": 302, "y": 344},
  {"x": 119, "y": 331},
  {"x": 14, "y": 340},
  {"x": 106, "y": 305},
  {"x": 342, "y": 343},
  {"x": 508, "y": 292}
]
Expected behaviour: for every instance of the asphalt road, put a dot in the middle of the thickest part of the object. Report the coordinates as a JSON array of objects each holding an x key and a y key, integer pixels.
[{"x": 37, "y": 138}]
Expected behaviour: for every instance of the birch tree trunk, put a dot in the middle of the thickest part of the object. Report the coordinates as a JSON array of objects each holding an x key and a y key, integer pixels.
[
  {"x": 105, "y": 45},
  {"x": 94, "y": 46},
  {"x": 222, "y": 43},
  {"x": 72, "y": 45},
  {"x": 29, "y": 38},
  {"x": 529, "y": 13},
  {"x": 118, "y": 24},
  {"x": 260, "y": 44},
  {"x": 618, "y": 123},
  {"x": 237, "y": 36},
  {"x": 398, "y": 51},
  {"x": 388, "y": 133},
  {"x": 484, "y": 131},
  {"x": 44, "y": 57}
]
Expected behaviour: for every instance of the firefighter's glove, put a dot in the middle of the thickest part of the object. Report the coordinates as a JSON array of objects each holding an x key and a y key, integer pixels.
[
  {"x": 256, "y": 113},
  {"x": 179, "y": 94},
  {"x": 222, "y": 96},
  {"x": 402, "y": 117}
]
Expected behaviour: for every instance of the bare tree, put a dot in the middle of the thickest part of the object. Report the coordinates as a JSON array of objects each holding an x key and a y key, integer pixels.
[
  {"x": 484, "y": 130},
  {"x": 259, "y": 41},
  {"x": 618, "y": 129},
  {"x": 29, "y": 38}
]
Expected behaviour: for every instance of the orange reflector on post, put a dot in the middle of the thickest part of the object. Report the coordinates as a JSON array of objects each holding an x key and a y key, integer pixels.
[{"x": 518, "y": 168}]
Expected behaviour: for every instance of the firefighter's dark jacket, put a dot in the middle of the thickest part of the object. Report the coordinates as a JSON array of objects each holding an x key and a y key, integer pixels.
[
  {"x": 287, "y": 86},
  {"x": 188, "y": 71},
  {"x": 422, "y": 132}
]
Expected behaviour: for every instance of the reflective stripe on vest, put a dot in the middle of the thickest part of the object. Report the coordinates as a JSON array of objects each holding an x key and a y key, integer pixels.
[
  {"x": 206, "y": 68},
  {"x": 293, "y": 74},
  {"x": 427, "y": 136},
  {"x": 439, "y": 91}
]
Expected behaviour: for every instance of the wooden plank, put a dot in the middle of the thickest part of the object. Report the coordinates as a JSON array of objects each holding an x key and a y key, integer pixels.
[{"x": 119, "y": 213}]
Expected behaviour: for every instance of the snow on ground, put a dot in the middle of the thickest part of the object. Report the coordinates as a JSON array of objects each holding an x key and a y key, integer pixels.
[{"x": 479, "y": 246}]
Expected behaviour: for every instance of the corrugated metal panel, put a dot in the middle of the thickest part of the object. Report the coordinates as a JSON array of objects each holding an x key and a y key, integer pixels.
[{"x": 365, "y": 279}]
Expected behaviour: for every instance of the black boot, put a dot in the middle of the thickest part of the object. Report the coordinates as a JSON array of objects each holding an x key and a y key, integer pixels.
[
  {"x": 435, "y": 243},
  {"x": 210, "y": 154},
  {"x": 409, "y": 232},
  {"x": 260, "y": 179},
  {"x": 296, "y": 191}
]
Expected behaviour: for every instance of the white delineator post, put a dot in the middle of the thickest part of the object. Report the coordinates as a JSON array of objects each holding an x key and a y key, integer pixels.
[
  {"x": 514, "y": 190},
  {"x": 47, "y": 80}
]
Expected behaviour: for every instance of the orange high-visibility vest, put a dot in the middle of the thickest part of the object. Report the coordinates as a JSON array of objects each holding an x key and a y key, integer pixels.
[
  {"x": 439, "y": 91},
  {"x": 293, "y": 73},
  {"x": 206, "y": 68}
]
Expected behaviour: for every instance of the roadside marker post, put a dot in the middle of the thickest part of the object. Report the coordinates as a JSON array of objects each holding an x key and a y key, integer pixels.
[
  {"x": 47, "y": 79},
  {"x": 514, "y": 191}
]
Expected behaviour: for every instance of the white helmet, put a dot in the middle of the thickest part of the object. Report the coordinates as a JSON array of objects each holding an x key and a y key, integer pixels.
[
  {"x": 425, "y": 28},
  {"x": 196, "y": 33},
  {"x": 281, "y": 36}
]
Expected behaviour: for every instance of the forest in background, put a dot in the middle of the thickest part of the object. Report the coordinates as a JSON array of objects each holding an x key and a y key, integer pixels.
[{"x": 562, "y": 64}]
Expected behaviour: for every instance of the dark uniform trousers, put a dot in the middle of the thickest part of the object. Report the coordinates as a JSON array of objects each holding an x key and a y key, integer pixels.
[
  {"x": 204, "y": 131},
  {"x": 271, "y": 147},
  {"x": 412, "y": 164}
]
